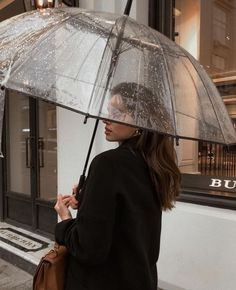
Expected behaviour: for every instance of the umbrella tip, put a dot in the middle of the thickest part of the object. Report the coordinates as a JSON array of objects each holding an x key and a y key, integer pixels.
[
  {"x": 227, "y": 148},
  {"x": 85, "y": 119}
]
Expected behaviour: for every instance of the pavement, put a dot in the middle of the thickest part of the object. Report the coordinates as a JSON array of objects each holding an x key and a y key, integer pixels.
[{"x": 13, "y": 278}]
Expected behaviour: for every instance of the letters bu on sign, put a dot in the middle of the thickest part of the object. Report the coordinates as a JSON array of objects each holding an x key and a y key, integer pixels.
[
  {"x": 212, "y": 183},
  {"x": 229, "y": 184}
]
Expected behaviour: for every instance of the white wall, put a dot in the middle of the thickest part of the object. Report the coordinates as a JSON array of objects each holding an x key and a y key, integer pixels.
[
  {"x": 73, "y": 141},
  {"x": 198, "y": 249},
  {"x": 139, "y": 9}
]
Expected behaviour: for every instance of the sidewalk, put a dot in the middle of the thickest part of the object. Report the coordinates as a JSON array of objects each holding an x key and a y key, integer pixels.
[{"x": 13, "y": 278}]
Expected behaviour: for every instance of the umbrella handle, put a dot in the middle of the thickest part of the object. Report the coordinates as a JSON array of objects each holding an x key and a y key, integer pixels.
[
  {"x": 81, "y": 182},
  {"x": 80, "y": 185}
]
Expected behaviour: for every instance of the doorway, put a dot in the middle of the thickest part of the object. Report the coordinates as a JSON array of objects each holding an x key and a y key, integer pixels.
[{"x": 30, "y": 169}]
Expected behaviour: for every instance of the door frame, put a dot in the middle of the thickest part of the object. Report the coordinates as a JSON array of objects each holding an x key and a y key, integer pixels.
[
  {"x": 160, "y": 16},
  {"x": 41, "y": 212}
]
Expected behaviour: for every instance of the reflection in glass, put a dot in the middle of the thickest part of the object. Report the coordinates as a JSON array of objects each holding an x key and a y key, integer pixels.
[
  {"x": 207, "y": 30},
  {"x": 19, "y": 144},
  {"x": 47, "y": 151}
]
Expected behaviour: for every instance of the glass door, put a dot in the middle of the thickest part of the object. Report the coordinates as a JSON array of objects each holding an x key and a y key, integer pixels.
[
  {"x": 19, "y": 145},
  {"x": 31, "y": 167},
  {"x": 46, "y": 173},
  {"x": 47, "y": 151}
]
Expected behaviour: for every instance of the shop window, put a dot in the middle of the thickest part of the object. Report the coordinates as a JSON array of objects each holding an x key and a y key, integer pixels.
[
  {"x": 219, "y": 25},
  {"x": 207, "y": 29},
  {"x": 218, "y": 62}
]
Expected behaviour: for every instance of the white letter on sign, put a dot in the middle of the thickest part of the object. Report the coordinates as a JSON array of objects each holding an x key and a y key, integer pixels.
[
  {"x": 215, "y": 183},
  {"x": 227, "y": 184}
]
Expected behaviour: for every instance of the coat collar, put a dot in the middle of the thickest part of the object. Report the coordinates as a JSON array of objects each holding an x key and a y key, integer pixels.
[{"x": 130, "y": 143}]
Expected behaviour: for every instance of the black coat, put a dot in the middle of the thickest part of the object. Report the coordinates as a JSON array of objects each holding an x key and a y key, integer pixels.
[{"x": 114, "y": 241}]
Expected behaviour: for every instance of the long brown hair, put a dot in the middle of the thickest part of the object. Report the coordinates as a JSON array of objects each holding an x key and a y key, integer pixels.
[
  {"x": 157, "y": 149},
  {"x": 159, "y": 153}
]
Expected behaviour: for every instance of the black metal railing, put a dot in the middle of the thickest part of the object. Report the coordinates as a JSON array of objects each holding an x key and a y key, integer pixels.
[{"x": 215, "y": 159}]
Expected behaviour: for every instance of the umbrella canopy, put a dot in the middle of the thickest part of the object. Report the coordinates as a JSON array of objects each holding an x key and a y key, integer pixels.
[{"x": 73, "y": 58}]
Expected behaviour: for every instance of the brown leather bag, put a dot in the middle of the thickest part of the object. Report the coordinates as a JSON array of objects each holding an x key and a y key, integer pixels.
[{"x": 50, "y": 272}]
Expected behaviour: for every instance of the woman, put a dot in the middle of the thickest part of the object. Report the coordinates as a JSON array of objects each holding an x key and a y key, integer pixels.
[{"x": 114, "y": 241}]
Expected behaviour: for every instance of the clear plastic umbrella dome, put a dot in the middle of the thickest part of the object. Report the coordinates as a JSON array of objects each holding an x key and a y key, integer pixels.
[{"x": 75, "y": 58}]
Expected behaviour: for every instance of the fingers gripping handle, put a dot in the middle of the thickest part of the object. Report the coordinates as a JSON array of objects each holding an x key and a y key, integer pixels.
[{"x": 80, "y": 185}]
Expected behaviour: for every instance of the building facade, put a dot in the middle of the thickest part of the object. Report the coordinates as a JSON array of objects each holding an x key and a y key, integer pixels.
[{"x": 44, "y": 157}]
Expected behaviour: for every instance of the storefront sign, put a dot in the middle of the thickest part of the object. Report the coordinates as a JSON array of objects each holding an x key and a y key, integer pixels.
[
  {"x": 205, "y": 182},
  {"x": 226, "y": 183}
]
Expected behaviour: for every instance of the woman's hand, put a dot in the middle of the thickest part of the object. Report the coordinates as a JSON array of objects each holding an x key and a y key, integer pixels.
[
  {"x": 70, "y": 200},
  {"x": 74, "y": 202},
  {"x": 62, "y": 209}
]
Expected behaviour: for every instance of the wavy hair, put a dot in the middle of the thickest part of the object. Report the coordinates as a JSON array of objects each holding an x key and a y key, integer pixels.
[{"x": 157, "y": 149}]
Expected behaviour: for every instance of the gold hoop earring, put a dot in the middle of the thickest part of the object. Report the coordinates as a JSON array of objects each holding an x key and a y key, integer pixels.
[{"x": 138, "y": 132}]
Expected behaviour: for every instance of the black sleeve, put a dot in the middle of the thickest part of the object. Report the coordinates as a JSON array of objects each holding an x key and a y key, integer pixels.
[{"x": 89, "y": 236}]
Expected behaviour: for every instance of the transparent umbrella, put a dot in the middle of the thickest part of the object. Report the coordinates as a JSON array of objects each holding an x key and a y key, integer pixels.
[{"x": 73, "y": 58}]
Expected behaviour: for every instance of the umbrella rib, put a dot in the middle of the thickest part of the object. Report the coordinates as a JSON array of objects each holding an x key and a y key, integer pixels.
[
  {"x": 113, "y": 59},
  {"x": 44, "y": 37},
  {"x": 144, "y": 128},
  {"x": 100, "y": 28},
  {"x": 192, "y": 117},
  {"x": 186, "y": 67},
  {"x": 192, "y": 62},
  {"x": 98, "y": 73},
  {"x": 171, "y": 90},
  {"x": 85, "y": 58},
  {"x": 69, "y": 37},
  {"x": 139, "y": 73},
  {"x": 47, "y": 34},
  {"x": 102, "y": 73},
  {"x": 61, "y": 44}
]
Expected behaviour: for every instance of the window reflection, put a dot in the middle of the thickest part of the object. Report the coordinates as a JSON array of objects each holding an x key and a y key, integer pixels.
[
  {"x": 19, "y": 144},
  {"x": 207, "y": 29},
  {"x": 47, "y": 151}
]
